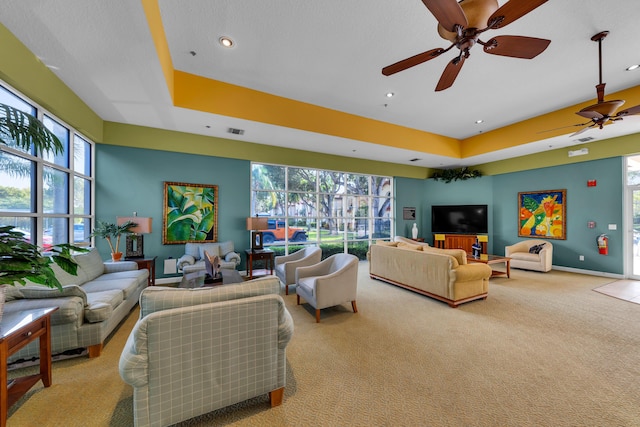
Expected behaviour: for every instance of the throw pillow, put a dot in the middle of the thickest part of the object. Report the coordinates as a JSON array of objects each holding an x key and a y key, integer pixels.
[
  {"x": 386, "y": 243},
  {"x": 404, "y": 245},
  {"x": 225, "y": 247},
  {"x": 536, "y": 248}
]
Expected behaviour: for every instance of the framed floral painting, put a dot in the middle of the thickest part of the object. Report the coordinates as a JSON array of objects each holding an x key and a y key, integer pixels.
[
  {"x": 190, "y": 213},
  {"x": 542, "y": 214}
]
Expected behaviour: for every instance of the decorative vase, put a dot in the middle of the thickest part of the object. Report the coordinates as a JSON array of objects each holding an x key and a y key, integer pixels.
[
  {"x": 414, "y": 231},
  {"x": 116, "y": 256}
]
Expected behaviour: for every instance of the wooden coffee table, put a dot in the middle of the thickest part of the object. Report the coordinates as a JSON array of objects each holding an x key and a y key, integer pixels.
[{"x": 493, "y": 259}]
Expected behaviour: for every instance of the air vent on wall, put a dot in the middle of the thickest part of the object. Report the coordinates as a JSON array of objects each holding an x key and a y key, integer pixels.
[{"x": 235, "y": 131}]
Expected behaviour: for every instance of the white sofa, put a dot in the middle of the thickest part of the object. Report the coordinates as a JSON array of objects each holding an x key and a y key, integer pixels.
[
  {"x": 193, "y": 259},
  {"x": 193, "y": 351},
  {"x": 91, "y": 304},
  {"x": 521, "y": 257}
]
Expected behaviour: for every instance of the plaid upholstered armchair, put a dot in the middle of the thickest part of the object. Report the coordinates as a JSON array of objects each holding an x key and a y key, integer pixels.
[{"x": 197, "y": 350}]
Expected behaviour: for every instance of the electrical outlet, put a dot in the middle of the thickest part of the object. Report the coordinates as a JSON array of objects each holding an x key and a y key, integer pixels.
[{"x": 581, "y": 257}]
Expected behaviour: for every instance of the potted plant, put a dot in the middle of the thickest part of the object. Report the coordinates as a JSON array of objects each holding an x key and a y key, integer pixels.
[
  {"x": 21, "y": 260},
  {"x": 110, "y": 231}
]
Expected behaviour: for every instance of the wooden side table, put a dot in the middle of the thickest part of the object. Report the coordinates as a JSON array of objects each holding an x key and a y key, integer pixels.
[
  {"x": 149, "y": 263},
  {"x": 16, "y": 331},
  {"x": 259, "y": 254}
]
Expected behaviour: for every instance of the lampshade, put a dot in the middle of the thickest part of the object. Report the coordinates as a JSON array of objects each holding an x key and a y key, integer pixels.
[
  {"x": 257, "y": 223},
  {"x": 143, "y": 223}
]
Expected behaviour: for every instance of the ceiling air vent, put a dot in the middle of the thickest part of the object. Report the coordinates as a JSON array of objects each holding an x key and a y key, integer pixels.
[
  {"x": 585, "y": 139},
  {"x": 236, "y": 131}
]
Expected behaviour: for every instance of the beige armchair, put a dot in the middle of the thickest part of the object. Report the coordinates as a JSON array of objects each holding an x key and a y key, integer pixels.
[
  {"x": 521, "y": 257},
  {"x": 286, "y": 265},
  {"x": 330, "y": 282}
]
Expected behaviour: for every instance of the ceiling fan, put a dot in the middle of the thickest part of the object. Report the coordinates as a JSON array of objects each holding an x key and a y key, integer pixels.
[
  {"x": 462, "y": 23},
  {"x": 604, "y": 111}
]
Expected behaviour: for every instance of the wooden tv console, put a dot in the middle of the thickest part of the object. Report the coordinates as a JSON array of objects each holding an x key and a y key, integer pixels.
[{"x": 459, "y": 241}]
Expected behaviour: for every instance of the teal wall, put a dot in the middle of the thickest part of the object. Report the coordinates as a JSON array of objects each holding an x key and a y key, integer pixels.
[
  {"x": 602, "y": 204},
  {"x": 132, "y": 179}
]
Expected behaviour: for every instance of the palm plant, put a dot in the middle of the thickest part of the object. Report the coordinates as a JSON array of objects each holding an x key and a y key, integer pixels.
[
  {"x": 21, "y": 260},
  {"x": 110, "y": 231},
  {"x": 25, "y": 130}
]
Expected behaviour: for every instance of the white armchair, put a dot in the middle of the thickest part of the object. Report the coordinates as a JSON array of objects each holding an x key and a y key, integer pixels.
[
  {"x": 330, "y": 282},
  {"x": 286, "y": 265},
  {"x": 523, "y": 257},
  {"x": 193, "y": 258}
]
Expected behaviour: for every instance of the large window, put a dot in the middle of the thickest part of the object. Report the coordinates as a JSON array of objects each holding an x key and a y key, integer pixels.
[
  {"x": 339, "y": 211},
  {"x": 47, "y": 196}
]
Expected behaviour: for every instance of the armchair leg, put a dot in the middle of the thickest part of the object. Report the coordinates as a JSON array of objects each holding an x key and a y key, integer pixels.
[
  {"x": 298, "y": 299},
  {"x": 286, "y": 289},
  {"x": 354, "y": 306},
  {"x": 275, "y": 397},
  {"x": 317, "y": 316}
]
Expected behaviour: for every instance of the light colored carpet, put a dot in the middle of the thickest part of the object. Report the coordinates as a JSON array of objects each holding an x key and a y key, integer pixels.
[
  {"x": 628, "y": 290},
  {"x": 542, "y": 350}
]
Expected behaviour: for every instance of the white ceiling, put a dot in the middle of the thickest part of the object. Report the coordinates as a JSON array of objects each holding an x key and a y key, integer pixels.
[{"x": 330, "y": 53}]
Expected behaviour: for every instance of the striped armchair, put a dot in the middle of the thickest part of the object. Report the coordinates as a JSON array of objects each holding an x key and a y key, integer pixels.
[{"x": 197, "y": 350}]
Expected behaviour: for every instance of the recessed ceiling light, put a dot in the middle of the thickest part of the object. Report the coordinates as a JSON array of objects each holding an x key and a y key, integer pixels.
[
  {"x": 390, "y": 94},
  {"x": 479, "y": 121},
  {"x": 633, "y": 67},
  {"x": 226, "y": 41}
]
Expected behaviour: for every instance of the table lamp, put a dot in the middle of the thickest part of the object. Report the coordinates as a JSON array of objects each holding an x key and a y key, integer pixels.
[
  {"x": 256, "y": 223},
  {"x": 135, "y": 241}
]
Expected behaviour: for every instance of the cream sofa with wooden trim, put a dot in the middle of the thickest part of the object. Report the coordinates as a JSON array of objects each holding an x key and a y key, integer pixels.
[
  {"x": 442, "y": 274},
  {"x": 523, "y": 259}
]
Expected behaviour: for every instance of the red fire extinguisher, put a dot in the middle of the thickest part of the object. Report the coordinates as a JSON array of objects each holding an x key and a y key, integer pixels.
[{"x": 603, "y": 244}]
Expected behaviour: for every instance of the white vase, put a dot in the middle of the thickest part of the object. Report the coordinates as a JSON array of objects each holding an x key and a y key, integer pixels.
[{"x": 414, "y": 231}]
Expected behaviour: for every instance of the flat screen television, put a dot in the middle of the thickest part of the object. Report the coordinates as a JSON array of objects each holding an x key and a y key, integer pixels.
[{"x": 459, "y": 219}]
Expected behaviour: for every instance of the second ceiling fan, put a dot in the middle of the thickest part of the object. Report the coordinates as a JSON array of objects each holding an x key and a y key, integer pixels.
[
  {"x": 462, "y": 23},
  {"x": 604, "y": 112}
]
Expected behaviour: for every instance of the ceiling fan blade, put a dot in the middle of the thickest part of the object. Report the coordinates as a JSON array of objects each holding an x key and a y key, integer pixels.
[
  {"x": 589, "y": 114},
  {"x": 411, "y": 62},
  {"x": 629, "y": 111},
  {"x": 447, "y": 12},
  {"x": 516, "y": 46},
  {"x": 511, "y": 11},
  {"x": 582, "y": 130},
  {"x": 565, "y": 127},
  {"x": 450, "y": 73}
]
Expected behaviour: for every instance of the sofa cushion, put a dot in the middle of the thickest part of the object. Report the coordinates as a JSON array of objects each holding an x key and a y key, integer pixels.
[
  {"x": 116, "y": 281},
  {"x": 158, "y": 298},
  {"x": 65, "y": 278},
  {"x": 40, "y": 292},
  {"x": 459, "y": 254},
  {"x": 210, "y": 248},
  {"x": 90, "y": 263},
  {"x": 386, "y": 243},
  {"x": 535, "y": 249},
  {"x": 404, "y": 245},
  {"x": 101, "y": 305},
  {"x": 70, "y": 308},
  {"x": 225, "y": 247}
]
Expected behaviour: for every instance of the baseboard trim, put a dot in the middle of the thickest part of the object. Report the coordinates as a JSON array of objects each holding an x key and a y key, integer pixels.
[{"x": 589, "y": 272}]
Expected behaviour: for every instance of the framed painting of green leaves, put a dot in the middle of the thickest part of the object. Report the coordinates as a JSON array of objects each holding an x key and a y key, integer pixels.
[
  {"x": 542, "y": 214},
  {"x": 190, "y": 213}
]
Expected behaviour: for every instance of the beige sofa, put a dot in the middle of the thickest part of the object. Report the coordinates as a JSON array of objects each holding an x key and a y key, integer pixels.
[{"x": 442, "y": 274}]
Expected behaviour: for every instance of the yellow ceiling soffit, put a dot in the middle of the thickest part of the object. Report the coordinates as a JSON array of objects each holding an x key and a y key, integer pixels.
[
  {"x": 212, "y": 96},
  {"x": 208, "y": 95},
  {"x": 545, "y": 126}
]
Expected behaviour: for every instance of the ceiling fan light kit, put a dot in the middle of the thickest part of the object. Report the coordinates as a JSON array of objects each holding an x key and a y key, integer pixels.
[{"x": 462, "y": 24}]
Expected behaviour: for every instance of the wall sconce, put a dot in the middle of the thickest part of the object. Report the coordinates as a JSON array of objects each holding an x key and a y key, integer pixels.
[
  {"x": 256, "y": 223},
  {"x": 135, "y": 241}
]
